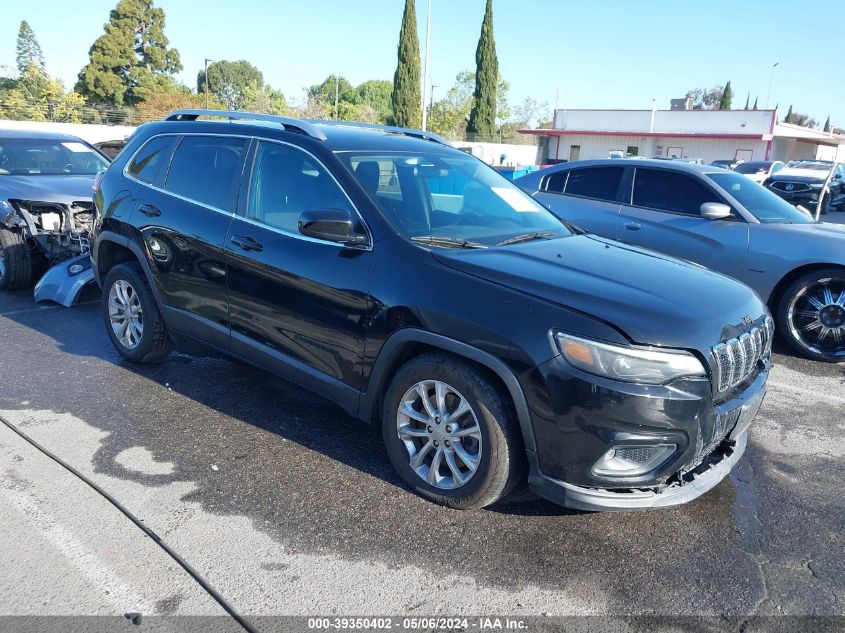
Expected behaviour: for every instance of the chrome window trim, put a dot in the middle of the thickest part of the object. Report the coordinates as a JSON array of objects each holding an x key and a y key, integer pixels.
[{"x": 234, "y": 213}]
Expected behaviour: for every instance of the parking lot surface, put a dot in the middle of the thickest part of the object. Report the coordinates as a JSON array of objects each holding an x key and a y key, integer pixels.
[{"x": 288, "y": 506}]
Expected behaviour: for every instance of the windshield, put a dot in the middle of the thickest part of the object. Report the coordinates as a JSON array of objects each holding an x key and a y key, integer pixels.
[
  {"x": 767, "y": 207},
  {"x": 816, "y": 165},
  {"x": 37, "y": 156},
  {"x": 452, "y": 196},
  {"x": 751, "y": 168}
]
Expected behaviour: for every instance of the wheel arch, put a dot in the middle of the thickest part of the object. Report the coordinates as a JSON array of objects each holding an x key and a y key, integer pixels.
[
  {"x": 113, "y": 249},
  {"x": 407, "y": 343},
  {"x": 791, "y": 276}
]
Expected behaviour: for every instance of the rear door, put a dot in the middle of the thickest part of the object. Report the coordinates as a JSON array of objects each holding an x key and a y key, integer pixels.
[
  {"x": 298, "y": 305},
  {"x": 663, "y": 213},
  {"x": 587, "y": 197},
  {"x": 183, "y": 221}
]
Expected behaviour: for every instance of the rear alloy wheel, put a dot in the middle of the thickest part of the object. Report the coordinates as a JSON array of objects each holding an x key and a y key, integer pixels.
[
  {"x": 16, "y": 265},
  {"x": 812, "y": 315},
  {"x": 132, "y": 317},
  {"x": 449, "y": 433}
]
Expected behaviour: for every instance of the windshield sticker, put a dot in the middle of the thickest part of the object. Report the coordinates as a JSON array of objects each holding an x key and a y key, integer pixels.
[
  {"x": 517, "y": 200},
  {"x": 77, "y": 148}
]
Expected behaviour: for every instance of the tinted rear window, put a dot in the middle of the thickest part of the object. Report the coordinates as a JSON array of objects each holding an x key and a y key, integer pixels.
[
  {"x": 147, "y": 162},
  {"x": 207, "y": 169},
  {"x": 601, "y": 183}
]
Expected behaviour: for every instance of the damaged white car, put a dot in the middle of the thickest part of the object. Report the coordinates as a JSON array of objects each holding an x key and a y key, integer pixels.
[{"x": 46, "y": 210}]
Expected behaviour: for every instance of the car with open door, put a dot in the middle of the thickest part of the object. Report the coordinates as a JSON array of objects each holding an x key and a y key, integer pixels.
[
  {"x": 759, "y": 170},
  {"x": 817, "y": 185},
  {"x": 721, "y": 220}
]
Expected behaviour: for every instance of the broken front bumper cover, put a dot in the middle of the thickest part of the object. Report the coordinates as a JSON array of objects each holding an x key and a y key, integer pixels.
[
  {"x": 64, "y": 281},
  {"x": 605, "y": 500}
]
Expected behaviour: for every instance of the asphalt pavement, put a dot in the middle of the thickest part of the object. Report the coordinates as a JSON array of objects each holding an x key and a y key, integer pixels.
[{"x": 287, "y": 506}]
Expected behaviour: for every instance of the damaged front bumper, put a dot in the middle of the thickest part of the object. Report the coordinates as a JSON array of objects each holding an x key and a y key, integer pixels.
[{"x": 64, "y": 281}]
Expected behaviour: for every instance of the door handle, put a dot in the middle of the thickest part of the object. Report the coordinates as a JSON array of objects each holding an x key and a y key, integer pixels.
[
  {"x": 633, "y": 226},
  {"x": 246, "y": 243},
  {"x": 150, "y": 210}
]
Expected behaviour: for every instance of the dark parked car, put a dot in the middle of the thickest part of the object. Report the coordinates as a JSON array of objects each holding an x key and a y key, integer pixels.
[
  {"x": 45, "y": 207},
  {"x": 726, "y": 163},
  {"x": 814, "y": 184},
  {"x": 420, "y": 290},
  {"x": 759, "y": 170},
  {"x": 719, "y": 219},
  {"x": 111, "y": 148}
]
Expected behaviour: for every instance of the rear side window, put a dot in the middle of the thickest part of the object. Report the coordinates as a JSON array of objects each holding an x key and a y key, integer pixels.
[
  {"x": 147, "y": 163},
  {"x": 556, "y": 182},
  {"x": 207, "y": 169},
  {"x": 670, "y": 191},
  {"x": 600, "y": 183}
]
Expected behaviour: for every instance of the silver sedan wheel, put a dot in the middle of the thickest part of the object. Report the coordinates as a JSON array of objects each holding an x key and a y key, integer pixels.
[
  {"x": 441, "y": 434},
  {"x": 125, "y": 314},
  {"x": 817, "y": 317}
]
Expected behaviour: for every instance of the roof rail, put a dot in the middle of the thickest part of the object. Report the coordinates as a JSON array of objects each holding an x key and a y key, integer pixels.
[
  {"x": 294, "y": 125},
  {"x": 392, "y": 129}
]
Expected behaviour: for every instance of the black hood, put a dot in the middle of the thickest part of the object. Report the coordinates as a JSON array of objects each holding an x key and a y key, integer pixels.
[
  {"x": 61, "y": 189},
  {"x": 652, "y": 298}
]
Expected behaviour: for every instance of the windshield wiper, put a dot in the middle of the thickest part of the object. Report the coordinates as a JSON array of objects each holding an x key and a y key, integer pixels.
[
  {"x": 446, "y": 242},
  {"x": 528, "y": 237}
]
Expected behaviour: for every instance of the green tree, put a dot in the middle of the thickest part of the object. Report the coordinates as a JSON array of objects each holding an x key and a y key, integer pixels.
[
  {"x": 406, "y": 81},
  {"x": 228, "y": 80},
  {"x": 727, "y": 97},
  {"x": 827, "y": 124},
  {"x": 39, "y": 97},
  {"x": 265, "y": 100},
  {"x": 804, "y": 120},
  {"x": 28, "y": 49},
  {"x": 132, "y": 60},
  {"x": 450, "y": 115},
  {"x": 747, "y": 100},
  {"x": 788, "y": 117},
  {"x": 325, "y": 93},
  {"x": 704, "y": 99},
  {"x": 755, "y": 103},
  {"x": 374, "y": 94},
  {"x": 482, "y": 117}
]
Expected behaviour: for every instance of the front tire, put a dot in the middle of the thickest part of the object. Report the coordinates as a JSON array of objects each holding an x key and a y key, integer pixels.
[
  {"x": 811, "y": 315},
  {"x": 16, "y": 265},
  {"x": 133, "y": 320},
  {"x": 450, "y": 434}
]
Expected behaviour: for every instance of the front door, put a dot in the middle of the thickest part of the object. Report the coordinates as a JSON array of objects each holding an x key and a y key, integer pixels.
[
  {"x": 665, "y": 216},
  {"x": 297, "y": 304}
]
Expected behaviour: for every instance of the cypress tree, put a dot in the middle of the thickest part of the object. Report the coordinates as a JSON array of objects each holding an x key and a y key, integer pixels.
[
  {"x": 727, "y": 97},
  {"x": 482, "y": 118},
  {"x": 406, "y": 81},
  {"x": 827, "y": 124},
  {"x": 28, "y": 50},
  {"x": 131, "y": 60},
  {"x": 788, "y": 117},
  {"x": 747, "y": 100},
  {"x": 755, "y": 104}
]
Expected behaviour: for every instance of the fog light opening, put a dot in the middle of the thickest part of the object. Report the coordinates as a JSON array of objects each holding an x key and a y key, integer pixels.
[{"x": 630, "y": 461}]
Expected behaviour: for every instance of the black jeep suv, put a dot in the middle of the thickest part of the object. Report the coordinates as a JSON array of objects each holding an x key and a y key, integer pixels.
[{"x": 418, "y": 289}]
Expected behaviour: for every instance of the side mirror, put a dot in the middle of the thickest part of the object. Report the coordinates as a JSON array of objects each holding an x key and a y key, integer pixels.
[
  {"x": 331, "y": 225},
  {"x": 715, "y": 211}
]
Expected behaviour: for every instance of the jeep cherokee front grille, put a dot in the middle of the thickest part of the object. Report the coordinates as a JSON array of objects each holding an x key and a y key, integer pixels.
[{"x": 737, "y": 358}]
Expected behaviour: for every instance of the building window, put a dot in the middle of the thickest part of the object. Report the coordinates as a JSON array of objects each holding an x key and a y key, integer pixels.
[
  {"x": 632, "y": 150},
  {"x": 675, "y": 152},
  {"x": 574, "y": 152}
]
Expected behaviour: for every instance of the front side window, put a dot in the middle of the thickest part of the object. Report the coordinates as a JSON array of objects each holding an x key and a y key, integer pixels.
[
  {"x": 207, "y": 169},
  {"x": 449, "y": 195},
  {"x": 671, "y": 191},
  {"x": 286, "y": 182},
  {"x": 764, "y": 205},
  {"x": 599, "y": 183},
  {"x": 48, "y": 157},
  {"x": 148, "y": 161}
]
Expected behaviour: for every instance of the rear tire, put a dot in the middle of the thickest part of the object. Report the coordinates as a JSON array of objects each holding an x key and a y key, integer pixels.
[
  {"x": 473, "y": 427},
  {"x": 133, "y": 320},
  {"x": 16, "y": 265}
]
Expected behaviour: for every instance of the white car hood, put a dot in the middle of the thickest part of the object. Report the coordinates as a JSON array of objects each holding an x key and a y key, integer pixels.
[{"x": 807, "y": 173}]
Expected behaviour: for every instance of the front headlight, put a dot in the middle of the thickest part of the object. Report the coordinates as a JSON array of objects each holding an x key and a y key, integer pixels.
[
  {"x": 816, "y": 185},
  {"x": 647, "y": 366}
]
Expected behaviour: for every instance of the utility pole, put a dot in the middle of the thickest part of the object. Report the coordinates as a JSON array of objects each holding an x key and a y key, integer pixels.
[
  {"x": 425, "y": 71},
  {"x": 336, "y": 94},
  {"x": 771, "y": 79},
  {"x": 206, "y": 81}
]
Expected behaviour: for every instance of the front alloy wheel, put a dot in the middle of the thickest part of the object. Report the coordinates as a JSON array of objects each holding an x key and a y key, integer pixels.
[
  {"x": 126, "y": 314},
  {"x": 814, "y": 318},
  {"x": 441, "y": 434}
]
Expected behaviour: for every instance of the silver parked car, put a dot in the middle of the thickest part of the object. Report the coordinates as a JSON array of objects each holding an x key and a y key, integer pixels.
[{"x": 719, "y": 219}]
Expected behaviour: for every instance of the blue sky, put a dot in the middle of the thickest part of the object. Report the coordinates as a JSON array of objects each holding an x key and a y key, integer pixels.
[{"x": 592, "y": 53}]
